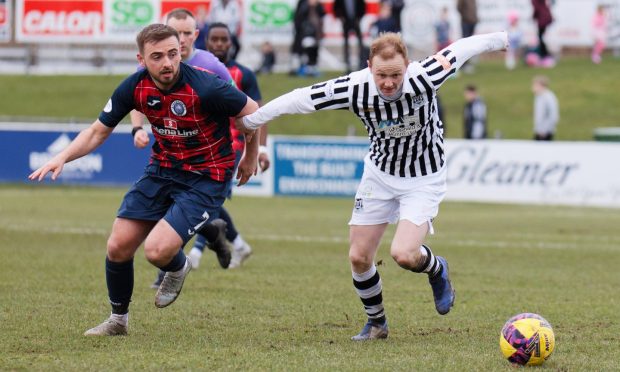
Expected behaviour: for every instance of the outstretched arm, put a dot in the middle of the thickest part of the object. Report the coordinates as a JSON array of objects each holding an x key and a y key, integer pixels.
[
  {"x": 298, "y": 101},
  {"x": 448, "y": 60}
]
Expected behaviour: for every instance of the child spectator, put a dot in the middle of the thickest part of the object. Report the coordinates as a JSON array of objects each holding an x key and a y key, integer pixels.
[
  {"x": 385, "y": 22},
  {"x": 599, "y": 29},
  {"x": 514, "y": 40},
  {"x": 442, "y": 29},
  {"x": 269, "y": 58}
]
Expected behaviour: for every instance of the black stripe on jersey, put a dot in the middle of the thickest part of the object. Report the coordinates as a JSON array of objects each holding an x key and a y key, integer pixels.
[
  {"x": 431, "y": 155},
  {"x": 341, "y": 89},
  {"x": 356, "y": 109},
  {"x": 429, "y": 90},
  {"x": 416, "y": 89},
  {"x": 422, "y": 161},
  {"x": 314, "y": 96},
  {"x": 342, "y": 80},
  {"x": 320, "y": 85},
  {"x": 365, "y": 103},
  {"x": 431, "y": 60},
  {"x": 375, "y": 105},
  {"x": 446, "y": 52},
  {"x": 331, "y": 103},
  {"x": 388, "y": 113},
  {"x": 441, "y": 80},
  {"x": 435, "y": 71}
]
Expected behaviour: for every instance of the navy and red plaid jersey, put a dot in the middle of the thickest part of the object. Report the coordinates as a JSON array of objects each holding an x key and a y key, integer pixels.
[
  {"x": 190, "y": 122},
  {"x": 245, "y": 79}
]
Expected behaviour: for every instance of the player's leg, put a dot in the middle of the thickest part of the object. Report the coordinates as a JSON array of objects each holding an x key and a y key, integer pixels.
[
  {"x": 191, "y": 212},
  {"x": 374, "y": 208},
  {"x": 126, "y": 237},
  {"x": 419, "y": 204},
  {"x": 163, "y": 248},
  {"x": 142, "y": 206},
  {"x": 365, "y": 241},
  {"x": 212, "y": 235},
  {"x": 241, "y": 250}
]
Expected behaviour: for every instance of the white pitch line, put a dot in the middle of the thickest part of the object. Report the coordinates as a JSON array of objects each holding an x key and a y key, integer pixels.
[{"x": 474, "y": 243}]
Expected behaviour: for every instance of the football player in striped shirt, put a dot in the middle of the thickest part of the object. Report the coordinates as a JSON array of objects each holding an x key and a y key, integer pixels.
[{"x": 404, "y": 177}]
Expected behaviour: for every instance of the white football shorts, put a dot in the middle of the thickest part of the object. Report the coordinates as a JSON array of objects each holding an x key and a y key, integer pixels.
[{"x": 382, "y": 198}]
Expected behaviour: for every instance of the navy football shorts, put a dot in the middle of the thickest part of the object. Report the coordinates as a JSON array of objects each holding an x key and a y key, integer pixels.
[{"x": 184, "y": 199}]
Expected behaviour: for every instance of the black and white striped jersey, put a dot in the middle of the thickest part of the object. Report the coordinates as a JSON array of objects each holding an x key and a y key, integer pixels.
[{"x": 406, "y": 135}]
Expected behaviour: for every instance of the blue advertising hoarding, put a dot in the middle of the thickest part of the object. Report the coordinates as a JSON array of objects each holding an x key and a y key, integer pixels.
[
  {"x": 27, "y": 147},
  {"x": 325, "y": 166}
]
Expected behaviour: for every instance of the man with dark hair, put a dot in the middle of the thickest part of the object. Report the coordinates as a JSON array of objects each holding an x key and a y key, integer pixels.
[
  {"x": 183, "y": 186},
  {"x": 184, "y": 22}
]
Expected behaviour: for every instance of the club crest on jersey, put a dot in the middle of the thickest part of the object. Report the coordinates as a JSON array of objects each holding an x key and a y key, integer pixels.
[
  {"x": 170, "y": 123},
  {"x": 359, "y": 204},
  {"x": 418, "y": 100},
  {"x": 178, "y": 108},
  {"x": 153, "y": 102}
]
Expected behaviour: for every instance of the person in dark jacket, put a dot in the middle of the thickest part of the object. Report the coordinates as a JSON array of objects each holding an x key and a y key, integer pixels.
[
  {"x": 474, "y": 114},
  {"x": 350, "y": 13},
  {"x": 543, "y": 18}
]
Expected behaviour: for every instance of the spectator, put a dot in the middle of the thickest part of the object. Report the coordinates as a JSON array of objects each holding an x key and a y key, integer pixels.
[
  {"x": 269, "y": 58},
  {"x": 311, "y": 15},
  {"x": 474, "y": 114},
  {"x": 546, "y": 109},
  {"x": 442, "y": 29},
  {"x": 599, "y": 29},
  {"x": 469, "y": 19},
  {"x": 350, "y": 13},
  {"x": 543, "y": 18},
  {"x": 228, "y": 12},
  {"x": 397, "y": 7},
  {"x": 385, "y": 22},
  {"x": 514, "y": 40},
  {"x": 203, "y": 27}
]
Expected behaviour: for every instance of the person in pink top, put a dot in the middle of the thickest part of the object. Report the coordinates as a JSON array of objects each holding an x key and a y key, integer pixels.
[{"x": 599, "y": 30}]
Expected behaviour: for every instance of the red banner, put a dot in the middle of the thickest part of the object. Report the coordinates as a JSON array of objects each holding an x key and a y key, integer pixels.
[{"x": 62, "y": 18}]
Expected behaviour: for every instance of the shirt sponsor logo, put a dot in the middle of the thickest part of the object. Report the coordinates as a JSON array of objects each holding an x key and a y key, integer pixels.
[
  {"x": 399, "y": 127},
  {"x": 170, "y": 123},
  {"x": 178, "y": 108},
  {"x": 173, "y": 131}
]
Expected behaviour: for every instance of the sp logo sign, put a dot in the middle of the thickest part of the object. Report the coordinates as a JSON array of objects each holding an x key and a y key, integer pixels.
[{"x": 270, "y": 13}]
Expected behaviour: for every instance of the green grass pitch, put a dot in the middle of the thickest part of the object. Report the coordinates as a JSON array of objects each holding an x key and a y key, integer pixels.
[{"x": 292, "y": 306}]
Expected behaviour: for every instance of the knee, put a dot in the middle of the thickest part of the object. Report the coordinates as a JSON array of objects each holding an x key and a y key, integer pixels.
[
  {"x": 359, "y": 259},
  {"x": 153, "y": 251},
  {"x": 117, "y": 251},
  {"x": 407, "y": 258}
]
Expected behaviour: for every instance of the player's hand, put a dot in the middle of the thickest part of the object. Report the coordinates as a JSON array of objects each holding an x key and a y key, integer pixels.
[
  {"x": 54, "y": 165},
  {"x": 242, "y": 128},
  {"x": 246, "y": 169},
  {"x": 263, "y": 161},
  {"x": 141, "y": 139}
]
